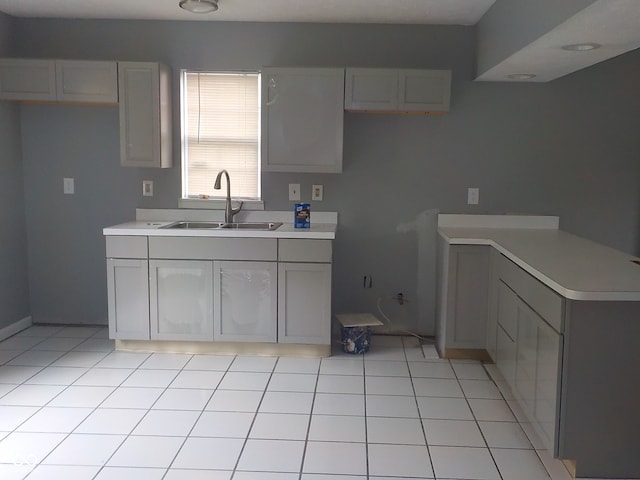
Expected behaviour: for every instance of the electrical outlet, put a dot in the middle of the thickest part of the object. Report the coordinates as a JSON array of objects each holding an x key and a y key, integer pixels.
[
  {"x": 147, "y": 188},
  {"x": 473, "y": 196},
  {"x": 317, "y": 192},
  {"x": 294, "y": 191},
  {"x": 68, "y": 186}
]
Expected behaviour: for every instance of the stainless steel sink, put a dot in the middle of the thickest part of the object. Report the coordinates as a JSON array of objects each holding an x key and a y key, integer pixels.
[
  {"x": 253, "y": 225},
  {"x": 216, "y": 225},
  {"x": 197, "y": 225}
]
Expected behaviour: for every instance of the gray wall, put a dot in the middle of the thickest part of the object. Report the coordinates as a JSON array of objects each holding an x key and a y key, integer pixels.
[
  {"x": 14, "y": 288},
  {"x": 568, "y": 148}
]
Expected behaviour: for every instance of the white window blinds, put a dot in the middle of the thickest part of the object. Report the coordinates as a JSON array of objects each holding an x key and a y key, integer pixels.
[{"x": 220, "y": 130}]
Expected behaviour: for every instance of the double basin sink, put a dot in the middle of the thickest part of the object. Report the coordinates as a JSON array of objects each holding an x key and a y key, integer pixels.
[{"x": 265, "y": 226}]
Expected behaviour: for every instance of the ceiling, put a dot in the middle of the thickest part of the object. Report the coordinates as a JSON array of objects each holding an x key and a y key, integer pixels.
[
  {"x": 449, "y": 12},
  {"x": 514, "y": 36}
]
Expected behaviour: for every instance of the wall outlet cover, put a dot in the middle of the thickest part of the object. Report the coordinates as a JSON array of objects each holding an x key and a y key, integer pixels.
[
  {"x": 473, "y": 196},
  {"x": 317, "y": 192},
  {"x": 68, "y": 186}
]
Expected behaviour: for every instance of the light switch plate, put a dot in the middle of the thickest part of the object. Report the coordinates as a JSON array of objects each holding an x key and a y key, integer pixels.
[
  {"x": 294, "y": 191},
  {"x": 147, "y": 188},
  {"x": 68, "y": 186},
  {"x": 317, "y": 192}
]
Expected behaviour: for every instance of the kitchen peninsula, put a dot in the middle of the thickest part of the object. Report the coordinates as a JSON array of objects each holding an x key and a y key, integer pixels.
[
  {"x": 560, "y": 317},
  {"x": 220, "y": 290}
]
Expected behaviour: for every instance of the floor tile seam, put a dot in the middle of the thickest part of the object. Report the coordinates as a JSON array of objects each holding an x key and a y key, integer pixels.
[
  {"x": 12, "y": 358},
  {"x": 104, "y": 368},
  {"x": 313, "y": 404},
  {"x": 253, "y": 420},
  {"x": 493, "y": 459},
  {"x": 422, "y": 425},
  {"x": 366, "y": 423},
  {"x": 517, "y": 420}
]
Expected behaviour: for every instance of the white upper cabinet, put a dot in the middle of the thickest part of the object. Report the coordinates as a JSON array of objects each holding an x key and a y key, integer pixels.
[
  {"x": 371, "y": 89},
  {"x": 302, "y": 119},
  {"x": 145, "y": 114},
  {"x": 27, "y": 79},
  {"x": 77, "y": 81},
  {"x": 390, "y": 90},
  {"x": 87, "y": 82}
]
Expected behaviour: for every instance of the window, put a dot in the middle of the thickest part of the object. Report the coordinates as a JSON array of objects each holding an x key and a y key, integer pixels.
[{"x": 220, "y": 130}]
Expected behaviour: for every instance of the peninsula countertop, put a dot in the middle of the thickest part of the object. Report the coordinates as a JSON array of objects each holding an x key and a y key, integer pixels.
[{"x": 574, "y": 267}]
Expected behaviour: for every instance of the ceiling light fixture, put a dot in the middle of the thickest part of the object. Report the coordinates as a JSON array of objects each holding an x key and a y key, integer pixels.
[
  {"x": 199, "y": 6},
  {"x": 581, "y": 47},
  {"x": 521, "y": 76}
]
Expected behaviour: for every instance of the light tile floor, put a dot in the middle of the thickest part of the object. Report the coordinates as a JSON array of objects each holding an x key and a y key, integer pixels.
[{"x": 73, "y": 408}]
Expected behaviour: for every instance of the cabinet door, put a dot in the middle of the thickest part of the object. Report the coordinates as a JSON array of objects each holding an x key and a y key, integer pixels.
[
  {"x": 304, "y": 303},
  {"x": 83, "y": 81},
  {"x": 302, "y": 119},
  {"x": 370, "y": 89},
  {"x": 468, "y": 296},
  {"x": 181, "y": 300},
  {"x": 246, "y": 301},
  {"x": 526, "y": 357},
  {"x": 547, "y": 382},
  {"x": 145, "y": 133},
  {"x": 424, "y": 90},
  {"x": 27, "y": 79},
  {"x": 128, "y": 298}
]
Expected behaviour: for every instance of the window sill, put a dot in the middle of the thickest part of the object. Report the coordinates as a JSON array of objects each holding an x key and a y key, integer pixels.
[{"x": 218, "y": 204}]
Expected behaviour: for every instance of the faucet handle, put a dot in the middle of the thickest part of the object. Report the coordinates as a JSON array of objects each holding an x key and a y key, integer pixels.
[{"x": 237, "y": 210}]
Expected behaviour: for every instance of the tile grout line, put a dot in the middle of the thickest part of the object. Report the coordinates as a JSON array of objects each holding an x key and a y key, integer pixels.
[
  {"x": 415, "y": 398},
  {"x": 313, "y": 403},
  {"x": 255, "y": 415},
  {"x": 204, "y": 409}
]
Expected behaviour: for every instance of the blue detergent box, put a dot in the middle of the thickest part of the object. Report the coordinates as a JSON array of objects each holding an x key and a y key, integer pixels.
[{"x": 302, "y": 215}]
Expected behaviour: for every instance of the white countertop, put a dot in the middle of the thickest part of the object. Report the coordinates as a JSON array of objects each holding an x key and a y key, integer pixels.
[
  {"x": 150, "y": 222},
  {"x": 286, "y": 230},
  {"x": 576, "y": 268}
]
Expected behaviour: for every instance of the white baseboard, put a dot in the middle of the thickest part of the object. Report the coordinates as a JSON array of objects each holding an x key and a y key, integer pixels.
[{"x": 15, "y": 327}]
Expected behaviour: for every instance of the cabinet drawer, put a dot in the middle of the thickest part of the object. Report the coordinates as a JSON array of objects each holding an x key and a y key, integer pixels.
[
  {"x": 290, "y": 250},
  {"x": 203, "y": 248},
  {"x": 547, "y": 303},
  {"x": 126, "y": 247}
]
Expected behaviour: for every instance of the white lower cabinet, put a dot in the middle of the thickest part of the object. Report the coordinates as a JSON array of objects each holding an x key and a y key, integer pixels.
[
  {"x": 537, "y": 373},
  {"x": 547, "y": 382},
  {"x": 528, "y": 350},
  {"x": 245, "y": 296},
  {"x": 128, "y": 298},
  {"x": 202, "y": 289},
  {"x": 181, "y": 294},
  {"x": 304, "y": 303}
]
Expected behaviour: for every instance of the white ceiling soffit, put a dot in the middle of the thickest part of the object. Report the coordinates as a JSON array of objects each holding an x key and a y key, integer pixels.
[
  {"x": 614, "y": 24},
  {"x": 427, "y": 12}
]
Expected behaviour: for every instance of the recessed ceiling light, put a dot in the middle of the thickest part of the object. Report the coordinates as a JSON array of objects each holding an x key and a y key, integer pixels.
[
  {"x": 199, "y": 6},
  {"x": 521, "y": 76},
  {"x": 581, "y": 47}
]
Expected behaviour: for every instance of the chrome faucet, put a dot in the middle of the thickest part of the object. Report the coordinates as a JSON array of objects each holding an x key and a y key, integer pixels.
[{"x": 229, "y": 211}]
